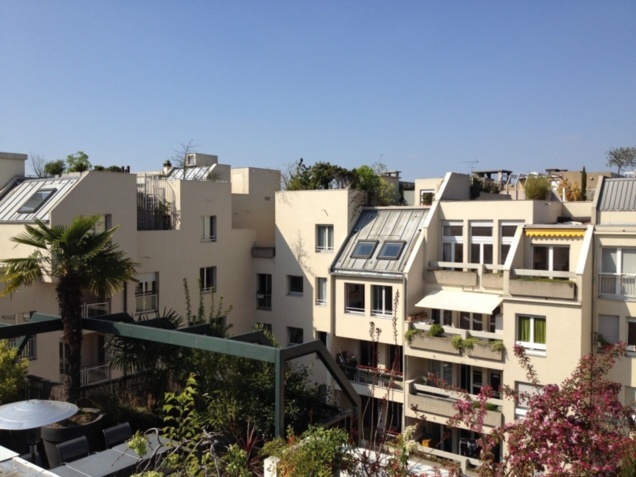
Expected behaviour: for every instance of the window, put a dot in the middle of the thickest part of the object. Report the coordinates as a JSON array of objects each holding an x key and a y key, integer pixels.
[
  {"x": 608, "y": 328},
  {"x": 264, "y": 291},
  {"x": 630, "y": 395},
  {"x": 443, "y": 371},
  {"x": 554, "y": 258},
  {"x": 28, "y": 351},
  {"x": 324, "y": 238},
  {"x": 354, "y": 298},
  {"x": 382, "y": 300},
  {"x": 321, "y": 291},
  {"x": 471, "y": 321},
  {"x": 391, "y": 250},
  {"x": 265, "y": 327},
  {"x": 37, "y": 200},
  {"x": 481, "y": 243},
  {"x": 631, "y": 334},
  {"x": 369, "y": 353},
  {"x": 322, "y": 336},
  {"x": 426, "y": 196},
  {"x": 442, "y": 317},
  {"x": 207, "y": 279},
  {"x": 104, "y": 223},
  {"x": 294, "y": 285},
  {"x": 364, "y": 249},
  {"x": 526, "y": 392},
  {"x": 531, "y": 332},
  {"x": 507, "y": 235},
  {"x": 452, "y": 242},
  {"x": 191, "y": 160},
  {"x": 208, "y": 229},
  {"x": 294, "y": 335},
  {"x": 146, "y": 293},
  {"x": 618, "y": 272}
]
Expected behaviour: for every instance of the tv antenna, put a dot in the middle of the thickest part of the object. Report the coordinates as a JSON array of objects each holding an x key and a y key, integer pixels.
[{"x": 472, "y": 164}]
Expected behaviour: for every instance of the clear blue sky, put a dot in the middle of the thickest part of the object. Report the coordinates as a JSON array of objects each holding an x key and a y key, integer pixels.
[{"x": 423, "y": 86}]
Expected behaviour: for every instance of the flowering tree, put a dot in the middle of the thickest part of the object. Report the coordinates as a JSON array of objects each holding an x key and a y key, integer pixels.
[{"x": 577, "y": 428}]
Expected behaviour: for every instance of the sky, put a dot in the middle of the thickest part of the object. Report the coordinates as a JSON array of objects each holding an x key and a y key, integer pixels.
[{"x": 424, "y": 87}]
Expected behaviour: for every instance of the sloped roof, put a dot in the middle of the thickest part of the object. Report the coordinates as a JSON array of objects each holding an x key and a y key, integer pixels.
[
  {"x": 17, "y": 197},
  {"x": 618, "y": 195},
  {"x": 193, "y": 173},
  {"x": 381, "y": 227}
]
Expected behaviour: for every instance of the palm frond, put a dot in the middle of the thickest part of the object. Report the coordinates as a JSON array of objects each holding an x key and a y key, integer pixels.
[{"x": 22, "y": 272}]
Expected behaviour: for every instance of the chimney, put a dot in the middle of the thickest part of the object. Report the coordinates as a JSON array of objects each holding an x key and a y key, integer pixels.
[
  {"x": 11, "y": 165},
  {"x": 167, "y": 165}
]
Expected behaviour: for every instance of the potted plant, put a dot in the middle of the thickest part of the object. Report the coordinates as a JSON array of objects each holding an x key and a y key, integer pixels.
[{"x": 87, "y": 422}]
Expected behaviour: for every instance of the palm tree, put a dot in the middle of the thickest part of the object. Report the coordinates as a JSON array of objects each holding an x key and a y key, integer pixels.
[{"x": 80, "y": 259}]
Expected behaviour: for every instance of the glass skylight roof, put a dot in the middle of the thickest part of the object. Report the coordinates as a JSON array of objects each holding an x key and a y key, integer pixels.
[
  {"x": 391, "y": 250},
  {"x": 37, "y": 200},
  {"x": 364, "y": 249}
]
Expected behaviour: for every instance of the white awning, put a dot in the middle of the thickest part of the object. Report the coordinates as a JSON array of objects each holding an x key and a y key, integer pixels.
[{"x": 483, "y": 303}]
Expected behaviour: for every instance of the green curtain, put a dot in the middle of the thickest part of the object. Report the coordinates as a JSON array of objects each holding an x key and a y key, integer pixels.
[
  {"x": 539, "y": 330},
  {"x": 524, "y": 329}
]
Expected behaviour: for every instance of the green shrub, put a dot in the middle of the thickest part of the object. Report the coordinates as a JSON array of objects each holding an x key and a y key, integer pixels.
[
  {"x": 436, "y": 330},
  {"x": 411, "y": 333},
  {"x": 497, "y": 346},
  {"x": 537, "y": 188},
  {"x": 457, "y": 342}
]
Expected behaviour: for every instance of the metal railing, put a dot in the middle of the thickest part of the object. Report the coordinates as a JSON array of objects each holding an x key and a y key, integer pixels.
[
  {"x": 610, "y": 284},
  {"x": 95, "y": 374},
  {"x": 146, "y": 302}
]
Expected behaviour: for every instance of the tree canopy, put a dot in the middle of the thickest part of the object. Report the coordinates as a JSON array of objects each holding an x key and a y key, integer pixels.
[
  {"x": 323, "y": 175},
  {"x": 621, "y": 158},
  {"x": 81, "y": 259}
]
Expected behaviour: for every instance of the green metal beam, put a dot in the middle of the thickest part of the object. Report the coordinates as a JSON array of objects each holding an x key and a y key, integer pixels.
[
  {"x": 188, "y": 340},
  {"x": 252, "y": 345}
]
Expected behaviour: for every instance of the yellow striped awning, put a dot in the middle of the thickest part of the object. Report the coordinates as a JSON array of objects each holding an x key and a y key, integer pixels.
[{"x": 555, "y": 232}]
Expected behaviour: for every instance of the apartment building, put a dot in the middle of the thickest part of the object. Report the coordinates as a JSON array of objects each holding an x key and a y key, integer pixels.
[
  {"x": 491, "y": 273},
  {"x": 202, "y": 228},
  {"x": 369, "y": 282}
]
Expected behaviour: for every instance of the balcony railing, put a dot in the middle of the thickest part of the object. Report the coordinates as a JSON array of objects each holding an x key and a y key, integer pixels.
[
  {"x": 146, "y": 303},
  {"x": 354, "y": 309},
  {"x": 610, "y": 284},
  {"x": 95, "y": 374},
  {"x": 380, "y": 377},
  {"x": 96, "y": 309},
  {"x": 434, "y": 400}
]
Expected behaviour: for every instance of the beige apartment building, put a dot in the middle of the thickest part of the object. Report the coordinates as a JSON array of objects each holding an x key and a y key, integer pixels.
[
  {"x": 202, "y": 228},
  {"x": 492, "y": 273},
  {"x": 369, "y": 282}
]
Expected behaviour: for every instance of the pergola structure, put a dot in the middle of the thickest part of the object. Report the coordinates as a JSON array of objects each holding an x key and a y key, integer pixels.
[{"x": 252, "y": 345}]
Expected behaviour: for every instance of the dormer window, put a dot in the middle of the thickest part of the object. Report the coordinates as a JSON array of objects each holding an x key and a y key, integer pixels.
[
  {"x": 191, "y": 160},
  {"x": 37, "y": 200},
  {"x": 364, "y": 249},
  {"x": 391, "y": 250}
]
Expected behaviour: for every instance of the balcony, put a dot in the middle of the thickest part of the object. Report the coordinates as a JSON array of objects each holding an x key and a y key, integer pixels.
[
  {"x": 379, "y": 377},
  {"x": 95, "y": 374},
  {"x": 146, "y": 303},
  {"x": 543, "y": 284},
  {"x": 473, "y": 275},
  {"x": 433, "y": 400},
  {"x": 442, "y": 344},
  {"x": 616, "y": 286}
]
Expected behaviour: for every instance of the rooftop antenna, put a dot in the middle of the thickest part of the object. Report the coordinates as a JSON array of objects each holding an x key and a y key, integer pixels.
[{"x": 472, "y": 164}]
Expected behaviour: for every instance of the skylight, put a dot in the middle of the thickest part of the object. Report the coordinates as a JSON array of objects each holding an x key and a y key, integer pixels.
[
  {"x": 364, "y": 249},
  {"x": 391, "y": 250},
  {"x": 36, "y": 201}
]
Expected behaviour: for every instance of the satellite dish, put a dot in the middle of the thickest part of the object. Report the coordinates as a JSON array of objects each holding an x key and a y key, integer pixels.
[{"x": 34, "y": 413}]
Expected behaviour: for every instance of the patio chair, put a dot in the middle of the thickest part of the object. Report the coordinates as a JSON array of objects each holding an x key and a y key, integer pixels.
[
  {"x": 74, "y": 449},
  {"x": 117, "y": 434}
]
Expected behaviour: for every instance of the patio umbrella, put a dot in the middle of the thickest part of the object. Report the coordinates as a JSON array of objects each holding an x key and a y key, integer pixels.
[{"x": 32, "y": 414}]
